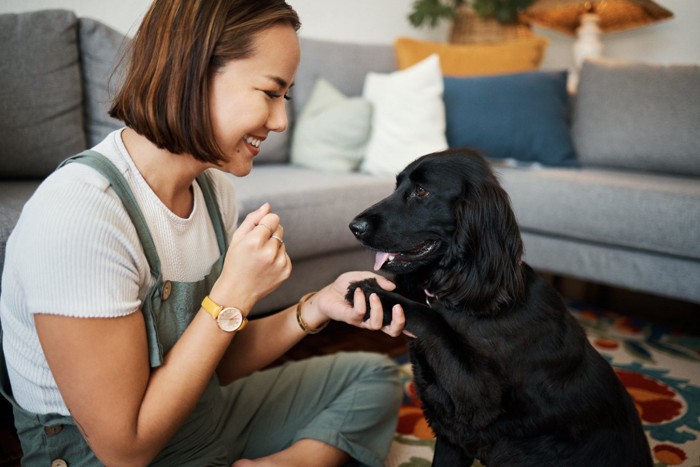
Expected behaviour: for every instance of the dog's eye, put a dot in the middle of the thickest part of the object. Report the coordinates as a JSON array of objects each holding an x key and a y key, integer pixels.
[{"x": 420, "y": 192}]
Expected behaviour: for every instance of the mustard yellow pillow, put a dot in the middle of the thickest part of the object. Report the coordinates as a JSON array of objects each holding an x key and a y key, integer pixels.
[{"x": 474, "y": 59}]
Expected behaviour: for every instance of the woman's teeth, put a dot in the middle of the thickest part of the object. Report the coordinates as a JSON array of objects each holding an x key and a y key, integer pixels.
[{"x": 252, "y": 141}]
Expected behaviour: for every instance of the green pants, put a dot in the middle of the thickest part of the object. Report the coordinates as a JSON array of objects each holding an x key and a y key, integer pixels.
[{"x": 347, "y": 400}]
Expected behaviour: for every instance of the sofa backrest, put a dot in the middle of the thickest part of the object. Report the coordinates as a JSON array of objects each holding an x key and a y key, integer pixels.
[
  {"x": 638, "y": 116},
  {"x": 344, "y": 65},
  {"x": 41, "y": 122},
  {"x": 54, "y": 73},
  {"x": 101, "y": 51}
]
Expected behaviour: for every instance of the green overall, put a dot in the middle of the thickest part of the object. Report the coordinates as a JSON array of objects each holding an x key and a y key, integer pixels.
[{"x": 346, "y": 400}]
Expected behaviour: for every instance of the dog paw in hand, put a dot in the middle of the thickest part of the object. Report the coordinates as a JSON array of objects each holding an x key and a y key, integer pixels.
[{"x": 368, "y": 286}]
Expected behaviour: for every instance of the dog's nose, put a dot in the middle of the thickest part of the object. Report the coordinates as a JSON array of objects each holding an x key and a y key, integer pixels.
[{"x": 359, "y": 227}]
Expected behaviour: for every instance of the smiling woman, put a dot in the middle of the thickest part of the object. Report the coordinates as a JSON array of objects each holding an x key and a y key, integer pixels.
[
  {"x": 131, "y": 345},
  {"x": 173, "y": 109}
]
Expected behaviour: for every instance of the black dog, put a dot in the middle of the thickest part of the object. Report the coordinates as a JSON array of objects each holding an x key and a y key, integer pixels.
[{"x": 504, "y": 372}]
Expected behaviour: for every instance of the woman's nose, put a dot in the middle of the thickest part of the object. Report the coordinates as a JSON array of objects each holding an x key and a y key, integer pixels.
[{"x": 278, "y": 116}]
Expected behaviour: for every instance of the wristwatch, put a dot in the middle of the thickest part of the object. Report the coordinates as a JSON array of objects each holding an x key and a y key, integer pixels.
[{"x": 229, "y": 319}]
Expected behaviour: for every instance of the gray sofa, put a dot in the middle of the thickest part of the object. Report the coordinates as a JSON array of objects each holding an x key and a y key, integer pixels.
[{"x": 628, "y": 217}]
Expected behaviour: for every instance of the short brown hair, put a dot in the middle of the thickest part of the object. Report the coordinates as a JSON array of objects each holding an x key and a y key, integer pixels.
[{"x": 179, "y": 45}]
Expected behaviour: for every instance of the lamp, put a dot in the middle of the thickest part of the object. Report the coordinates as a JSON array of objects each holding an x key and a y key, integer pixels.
[{"x": 588, "y": 18}]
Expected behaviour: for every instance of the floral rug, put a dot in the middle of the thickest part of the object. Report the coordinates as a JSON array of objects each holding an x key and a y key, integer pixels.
[{"x": 660, "y": 368}]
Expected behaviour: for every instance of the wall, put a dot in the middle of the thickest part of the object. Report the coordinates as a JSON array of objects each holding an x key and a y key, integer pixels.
[{"x": 371, "y": 21}]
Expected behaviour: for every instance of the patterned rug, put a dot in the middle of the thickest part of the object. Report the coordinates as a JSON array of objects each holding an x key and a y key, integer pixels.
[{"x": 660, "y": 368}]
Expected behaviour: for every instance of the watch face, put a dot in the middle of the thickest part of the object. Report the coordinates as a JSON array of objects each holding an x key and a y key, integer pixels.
[{"x": 230, "y": 319}]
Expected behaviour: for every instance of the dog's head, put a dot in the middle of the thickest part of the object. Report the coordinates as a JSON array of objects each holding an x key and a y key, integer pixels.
[{"x": 450, "y": 223}]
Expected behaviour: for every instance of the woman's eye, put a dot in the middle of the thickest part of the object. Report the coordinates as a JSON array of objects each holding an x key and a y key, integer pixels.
[{"x": 275, "y": 95}]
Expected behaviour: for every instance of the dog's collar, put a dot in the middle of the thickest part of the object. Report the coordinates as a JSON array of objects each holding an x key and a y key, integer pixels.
[{"x": 429, "y": 296}]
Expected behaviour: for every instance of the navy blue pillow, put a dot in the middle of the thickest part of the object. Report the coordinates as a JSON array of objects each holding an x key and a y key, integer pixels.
[{"x": 522, "y": 116}]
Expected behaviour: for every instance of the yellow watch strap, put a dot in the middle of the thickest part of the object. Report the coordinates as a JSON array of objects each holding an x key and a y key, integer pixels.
[{"x": 211, "y": 307}]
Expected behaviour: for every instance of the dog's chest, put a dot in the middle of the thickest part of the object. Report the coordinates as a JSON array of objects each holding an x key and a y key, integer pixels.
[
  {"x": 454, "y": 394},
  {"x": 458, "y": 377}
]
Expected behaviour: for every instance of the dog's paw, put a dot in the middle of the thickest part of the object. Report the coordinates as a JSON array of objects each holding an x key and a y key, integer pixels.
[{"x": 368, "y": 286}]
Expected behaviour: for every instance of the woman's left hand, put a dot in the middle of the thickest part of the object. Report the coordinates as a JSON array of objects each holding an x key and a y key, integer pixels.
[{"x": 330, "y": 302}]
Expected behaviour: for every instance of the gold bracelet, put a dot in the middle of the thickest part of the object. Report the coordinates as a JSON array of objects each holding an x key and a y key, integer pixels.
[{"x": 304, "y": 327}]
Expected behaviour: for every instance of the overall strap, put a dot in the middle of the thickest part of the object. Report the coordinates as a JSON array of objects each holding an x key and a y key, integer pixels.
[
  {"x": 104, "y": 166},
  {"x": 205, "y": 184}
]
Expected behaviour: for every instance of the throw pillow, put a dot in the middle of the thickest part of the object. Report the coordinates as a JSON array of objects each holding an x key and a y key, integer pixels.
[
  {"x": 408, "y": 116},
  {"x": 521, "y": 116},
  {"x": 332, "y": 130},
  {"x": 524, "y": 54}
]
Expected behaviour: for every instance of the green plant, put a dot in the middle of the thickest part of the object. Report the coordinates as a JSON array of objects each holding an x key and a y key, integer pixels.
[{"x": 432, "y": 11}]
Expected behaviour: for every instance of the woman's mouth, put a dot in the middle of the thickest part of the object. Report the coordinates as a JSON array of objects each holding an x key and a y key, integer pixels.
[{"x": 253, "y": 143}]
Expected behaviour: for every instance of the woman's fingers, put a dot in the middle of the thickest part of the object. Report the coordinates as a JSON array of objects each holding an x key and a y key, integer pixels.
[
  {"x": 253, "y": 219},
  {"x": 398, "y": 321}
]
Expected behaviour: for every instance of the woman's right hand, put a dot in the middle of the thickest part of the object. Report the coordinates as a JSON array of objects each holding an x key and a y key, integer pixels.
[{"x": 256, "y": 263}]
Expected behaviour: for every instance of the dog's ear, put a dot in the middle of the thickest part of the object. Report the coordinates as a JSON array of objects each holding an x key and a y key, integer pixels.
[{"x": 482, "y": 267}]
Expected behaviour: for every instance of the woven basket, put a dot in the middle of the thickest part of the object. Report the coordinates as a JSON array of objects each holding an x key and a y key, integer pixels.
[{"x": 470, "y": 28}]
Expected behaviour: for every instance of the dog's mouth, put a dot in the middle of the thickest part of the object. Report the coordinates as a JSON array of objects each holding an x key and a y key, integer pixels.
[{"x": 397, "y": 259}]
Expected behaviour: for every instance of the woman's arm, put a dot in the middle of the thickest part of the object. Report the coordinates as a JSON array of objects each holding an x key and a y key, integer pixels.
[
  {"x": 127, "y": 411},
  {"x": 265, "y": 340}
]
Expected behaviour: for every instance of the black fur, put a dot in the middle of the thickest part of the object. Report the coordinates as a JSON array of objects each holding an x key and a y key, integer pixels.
[{"x": 504, "y": 372}]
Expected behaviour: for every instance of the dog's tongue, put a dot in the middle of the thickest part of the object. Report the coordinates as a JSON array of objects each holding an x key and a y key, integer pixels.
[{"x": 380, "y": 259}]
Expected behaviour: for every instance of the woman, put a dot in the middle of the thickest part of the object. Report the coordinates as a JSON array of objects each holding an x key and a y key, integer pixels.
[{"x": 111, "y": 358}]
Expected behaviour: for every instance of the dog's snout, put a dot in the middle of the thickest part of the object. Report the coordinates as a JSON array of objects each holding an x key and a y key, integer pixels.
[{"x": 359, "y": 227}]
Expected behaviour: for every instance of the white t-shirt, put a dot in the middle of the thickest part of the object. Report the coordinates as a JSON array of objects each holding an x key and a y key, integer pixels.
[{"x": 75, "y": 252}]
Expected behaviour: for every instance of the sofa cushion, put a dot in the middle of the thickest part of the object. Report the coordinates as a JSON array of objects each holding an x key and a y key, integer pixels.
[
  {"x": 523, "y": 116},
  {"x": 474, "y": 59},
  {"x": 101, "y": 51},
  {"x": 408, "y": 116},
  {"x": 332, "y": 130},
  {"x": 315, "y": 207},
  {"x": 41, "y": 122},
  {"x": 641, "y": 211},
  {"x": 638, "y": 116}
]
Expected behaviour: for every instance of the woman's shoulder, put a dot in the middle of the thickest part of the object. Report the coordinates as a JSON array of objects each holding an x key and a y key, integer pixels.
[
  {"x": 76, "y": 206},
  {"x": 73, "y": 187}
]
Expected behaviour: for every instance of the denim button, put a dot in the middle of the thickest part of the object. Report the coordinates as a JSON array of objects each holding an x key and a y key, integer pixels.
[
  {"x": 167, "y": 288},
  {"x": 53, "y": 430},
  {"x": 59, "y": 463}
]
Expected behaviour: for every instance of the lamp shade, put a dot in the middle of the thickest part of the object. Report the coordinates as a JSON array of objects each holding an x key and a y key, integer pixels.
[{"x": 614, "y": 15}]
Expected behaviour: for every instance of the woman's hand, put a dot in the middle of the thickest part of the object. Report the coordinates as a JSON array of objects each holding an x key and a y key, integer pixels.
[
  {"x": 330, "y": 303},
  {"x": 256, "y": 262}
]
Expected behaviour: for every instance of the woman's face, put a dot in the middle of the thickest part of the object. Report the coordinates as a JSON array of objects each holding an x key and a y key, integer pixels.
[{"x": 248, "y": 96}]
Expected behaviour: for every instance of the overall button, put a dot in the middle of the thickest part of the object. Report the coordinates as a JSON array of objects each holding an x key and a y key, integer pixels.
[
  {"x": 53, "y": 430},
  {"x": 59, "y": 463},
  {"x": 167, "y": 288}
]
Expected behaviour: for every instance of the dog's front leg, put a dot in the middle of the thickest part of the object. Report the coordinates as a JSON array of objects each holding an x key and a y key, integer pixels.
[
  {"x": 447, "y": 455},
  {"x": 415, "y": 313}
]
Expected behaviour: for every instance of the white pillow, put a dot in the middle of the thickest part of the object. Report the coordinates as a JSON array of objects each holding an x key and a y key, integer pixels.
[
  {"x": 408, "y": 118},
  {"x": 332, "y": 131}
]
